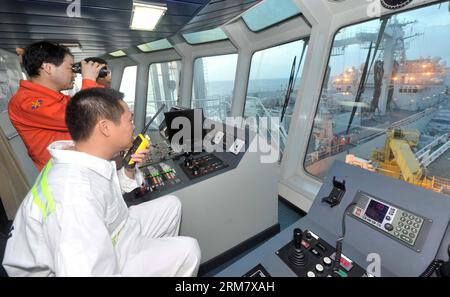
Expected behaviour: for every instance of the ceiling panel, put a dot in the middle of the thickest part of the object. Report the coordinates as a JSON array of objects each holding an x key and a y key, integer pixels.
[{"x": 104, "y": 24}]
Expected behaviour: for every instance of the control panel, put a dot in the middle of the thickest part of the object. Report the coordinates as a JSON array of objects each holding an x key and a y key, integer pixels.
[
  {"x": 400, "y": 224},
  {"x": 196, "y": 166},
  {"x": 310, "y": 256},
  {"x": 159, "y": 176},
  {"x": 159, "y": 152},
  {"x": 167, "y": 171},
  {"x": 396, "y": 229}
]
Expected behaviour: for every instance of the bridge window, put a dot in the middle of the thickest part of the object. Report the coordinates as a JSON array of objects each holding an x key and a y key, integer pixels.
[
  {"x": 155, "y": 45},
  {"x": 162, "y": 87},
  {"x": 269, "y": 13},
  {"x": 128, "y": 85},
  {"x": 385, "y": 101},
  {"x": 213, "y": 85},
  {"x": 205, "y": 36},
  {"x": 269, "y": 78},
  {"x": 10, "y": 75}
]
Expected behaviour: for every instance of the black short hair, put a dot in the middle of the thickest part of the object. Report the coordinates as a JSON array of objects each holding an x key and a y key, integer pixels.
[
  {"x": 43, "y": 52},
  {"x": 89, "y": 106},
  {"x": 96, "y": 59}
]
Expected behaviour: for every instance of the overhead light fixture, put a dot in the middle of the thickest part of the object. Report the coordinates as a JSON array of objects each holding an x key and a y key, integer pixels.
[
  {"x": 119, "y": 53},
  {"x": 146, "y": 16},
  {"x": 74, "y": 47}
]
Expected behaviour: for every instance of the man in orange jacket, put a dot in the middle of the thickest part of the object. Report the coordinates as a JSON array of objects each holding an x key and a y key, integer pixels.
[{"x": 37, "y": 110}]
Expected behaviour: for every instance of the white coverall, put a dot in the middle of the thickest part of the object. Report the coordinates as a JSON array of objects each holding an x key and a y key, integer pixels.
[{"x": 74, "y": 222}]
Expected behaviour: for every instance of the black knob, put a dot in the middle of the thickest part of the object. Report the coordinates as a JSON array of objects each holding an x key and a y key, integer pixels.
[
  {"x": 188, "y": 161},
  {"x": 388, "y": 227},
  {"x": 195, "y": 170},
  {"x": 298, "y": 236}
]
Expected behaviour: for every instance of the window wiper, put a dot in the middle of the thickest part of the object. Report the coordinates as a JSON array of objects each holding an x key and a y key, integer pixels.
[
  {"x": 366, "y": 71},
  {"x": 360, "y": 90},
  {"x": 288, "y": 90},
  {"x": 292, "y": 81}
]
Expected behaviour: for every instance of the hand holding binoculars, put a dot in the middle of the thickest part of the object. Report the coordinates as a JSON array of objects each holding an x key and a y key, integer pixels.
[{"x": 76, "y": 68}]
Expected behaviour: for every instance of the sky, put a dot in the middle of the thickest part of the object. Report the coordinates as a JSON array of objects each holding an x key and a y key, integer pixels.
[{"x": 275, "y": 62}]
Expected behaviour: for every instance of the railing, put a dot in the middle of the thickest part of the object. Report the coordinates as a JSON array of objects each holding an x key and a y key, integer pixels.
[
  {"x": 440, "y": 184},
  {"x": 214, "y": 107},
  {"x": 398, "y": 124},
  {"x": 268, "y": 114},
  {"x": 427, "y": 158}
]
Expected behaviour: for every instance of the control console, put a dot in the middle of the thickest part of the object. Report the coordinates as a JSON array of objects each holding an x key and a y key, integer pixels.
[
  {"x": 310, "y": 256},
  {"x": 195, "y": 167},
  {"x": 404, "y": 226}
]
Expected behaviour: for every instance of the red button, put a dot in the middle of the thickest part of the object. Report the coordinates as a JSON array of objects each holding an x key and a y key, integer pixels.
[
  {"x": 345, "y": 263},
  {"x": 305, "y": 244}
]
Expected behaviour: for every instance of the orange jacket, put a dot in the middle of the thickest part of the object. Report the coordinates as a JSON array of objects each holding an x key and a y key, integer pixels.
[{"x": 38, "y": 114}]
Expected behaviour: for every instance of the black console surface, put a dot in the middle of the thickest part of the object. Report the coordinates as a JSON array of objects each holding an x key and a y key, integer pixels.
[
  {"x": 174, "y": 174},
  {"x": 203, "y": 165}
]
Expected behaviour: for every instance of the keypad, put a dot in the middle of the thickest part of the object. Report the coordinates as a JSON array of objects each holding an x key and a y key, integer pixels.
[{"x": 407, "y": 227}]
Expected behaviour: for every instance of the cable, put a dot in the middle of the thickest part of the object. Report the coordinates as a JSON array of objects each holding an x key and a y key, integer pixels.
[
  {"x": 434, "y": 266},
  {"x": 337, "y": 257}
]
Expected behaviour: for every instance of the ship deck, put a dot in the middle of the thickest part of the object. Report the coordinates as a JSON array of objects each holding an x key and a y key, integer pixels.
[{"x": 440, "y": 166}]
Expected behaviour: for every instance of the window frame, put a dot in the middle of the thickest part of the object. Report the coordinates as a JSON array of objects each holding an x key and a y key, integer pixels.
[{"x": 330, "y": 49}]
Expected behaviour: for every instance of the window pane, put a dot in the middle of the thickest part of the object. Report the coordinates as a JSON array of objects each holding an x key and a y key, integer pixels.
[
  {"x": 162, "y": 88},
  {"x": 10, "y": 75},
  {"x": 205, "y": 36},
  {"x": 270, "y": 12},
  {"x": 395, "y": 119},
  {"x": 128, "y": 85},
  {"x": 269, "y": 77},
  {"x": 155, "y": 45},
  {"x": 213, "y": 85}
]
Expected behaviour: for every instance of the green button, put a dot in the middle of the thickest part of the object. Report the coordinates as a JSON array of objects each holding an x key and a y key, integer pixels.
[{"x": 342, "y": 273}]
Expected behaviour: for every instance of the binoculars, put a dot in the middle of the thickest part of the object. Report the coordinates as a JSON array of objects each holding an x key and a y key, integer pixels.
[{"x": 76, "y": 68}]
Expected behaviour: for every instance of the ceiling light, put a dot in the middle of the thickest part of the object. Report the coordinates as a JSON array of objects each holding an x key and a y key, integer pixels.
[
  {"x": 146, "y": 16},
  {"x": 74, "y": 47},
  {"x": 119, "y": 53}
]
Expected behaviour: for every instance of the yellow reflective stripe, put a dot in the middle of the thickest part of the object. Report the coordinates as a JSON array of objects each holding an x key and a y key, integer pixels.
[
  {"x": 46, "y": 206},
  {"x": 45, "y": 189},
  {"x": 116, "y": 237},
  {"x": 36, "y": 199},
  {"x": 38, "y": 202}
]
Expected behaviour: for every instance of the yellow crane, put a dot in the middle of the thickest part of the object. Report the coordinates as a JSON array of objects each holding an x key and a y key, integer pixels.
[{"x": 398, "y": 160}]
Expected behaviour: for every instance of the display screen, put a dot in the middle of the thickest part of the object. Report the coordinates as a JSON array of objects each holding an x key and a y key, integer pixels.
[{"x": 376, "y": 211}]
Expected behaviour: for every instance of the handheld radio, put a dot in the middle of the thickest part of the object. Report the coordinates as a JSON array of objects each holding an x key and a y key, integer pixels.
[{"x": 140, "y": 142}]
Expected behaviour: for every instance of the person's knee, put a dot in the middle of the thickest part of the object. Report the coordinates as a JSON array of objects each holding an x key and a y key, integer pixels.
[
  {"x": 173, "y": 202},
  {"x": 191, "y": 250}
]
